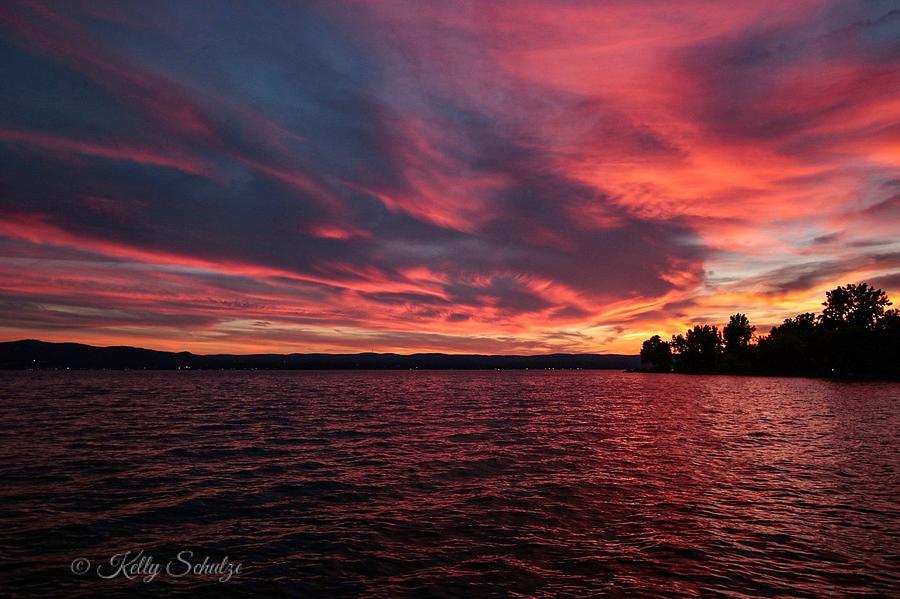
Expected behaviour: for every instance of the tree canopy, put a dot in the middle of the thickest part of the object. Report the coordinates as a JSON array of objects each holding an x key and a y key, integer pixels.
[
  {"x": 854, "y": 305},
  {"x": 657, "y": 354},
  {"x": 855, "y": 335}
]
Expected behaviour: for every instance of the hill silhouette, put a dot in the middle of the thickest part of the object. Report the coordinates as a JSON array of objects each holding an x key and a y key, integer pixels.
[{"x": 30, "y": 353}]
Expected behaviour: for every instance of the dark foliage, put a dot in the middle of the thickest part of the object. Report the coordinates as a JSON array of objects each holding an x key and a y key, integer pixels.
[
  {"x": 736, "y": 337},
  {"x": 699, "y": 350},
  {"x": 657, "y": 354},
  {"x": 856, "y": 335}
]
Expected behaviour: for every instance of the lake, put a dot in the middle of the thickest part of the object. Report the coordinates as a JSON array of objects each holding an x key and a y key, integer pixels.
[{"x": 447, "y": 483}]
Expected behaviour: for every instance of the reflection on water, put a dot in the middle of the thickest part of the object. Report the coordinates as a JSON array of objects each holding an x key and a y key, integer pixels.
[{"x": 452, "y": 483}]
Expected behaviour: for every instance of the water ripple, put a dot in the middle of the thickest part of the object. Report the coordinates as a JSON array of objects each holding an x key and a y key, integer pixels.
[{"x": 453, "y": 484}]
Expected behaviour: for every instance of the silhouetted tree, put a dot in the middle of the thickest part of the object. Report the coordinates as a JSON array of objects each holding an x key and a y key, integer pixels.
[
  {"x": 790, "y": 348},
  {"x": 887, "y": 340},
  {"x": 854, "y": 305},
  {"x": 737, "y": 333},
  {"x": 855, "y": 335},
  {"x": 698, "y": 350},
  {"x": 850, "y": 316},
  {"x": 736, "y": 336},
  {"x": 657, "y": 353}
]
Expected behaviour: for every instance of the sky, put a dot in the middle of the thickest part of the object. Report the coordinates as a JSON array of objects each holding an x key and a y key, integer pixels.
[{"x": 415, "y": 175}]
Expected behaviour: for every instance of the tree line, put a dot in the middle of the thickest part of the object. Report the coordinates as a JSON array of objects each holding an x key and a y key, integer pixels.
[{"x": 855, "y": 335}]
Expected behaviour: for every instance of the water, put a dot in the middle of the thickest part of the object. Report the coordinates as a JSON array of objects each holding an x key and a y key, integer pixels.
[{"x": 387, "y": 484}]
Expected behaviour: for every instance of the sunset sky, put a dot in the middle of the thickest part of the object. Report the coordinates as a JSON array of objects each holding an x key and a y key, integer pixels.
[{"x": 493, "y": 177}]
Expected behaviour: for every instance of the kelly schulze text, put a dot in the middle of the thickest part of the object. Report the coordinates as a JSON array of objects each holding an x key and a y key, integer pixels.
[{"x": 140, "y": 565}]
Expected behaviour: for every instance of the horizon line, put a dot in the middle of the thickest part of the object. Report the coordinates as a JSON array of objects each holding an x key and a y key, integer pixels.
[{"x": 319, "y": 353}]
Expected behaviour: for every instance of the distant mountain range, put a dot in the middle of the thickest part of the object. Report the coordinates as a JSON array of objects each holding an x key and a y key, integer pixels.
[{"x": 30, "y": 353}]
